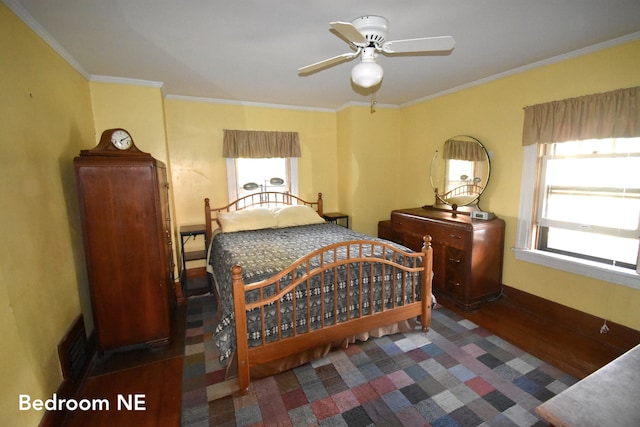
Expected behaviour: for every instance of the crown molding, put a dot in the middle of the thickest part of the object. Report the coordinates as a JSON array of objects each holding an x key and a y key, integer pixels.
[
  {"x": 367, "y": 105},
  {"x": 248, "y": 103},
  {"x": 125, "y": 81},
  {"x": 569, "y": 55}
]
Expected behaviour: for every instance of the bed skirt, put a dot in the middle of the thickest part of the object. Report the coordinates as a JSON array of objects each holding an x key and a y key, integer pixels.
[{"x": 298, "y": 359}]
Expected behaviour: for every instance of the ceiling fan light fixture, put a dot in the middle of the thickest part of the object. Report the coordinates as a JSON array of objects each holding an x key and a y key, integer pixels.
[{"x": 368, "y": 72}]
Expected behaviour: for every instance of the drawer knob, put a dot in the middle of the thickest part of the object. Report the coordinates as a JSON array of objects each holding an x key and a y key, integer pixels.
[
  {"x": 457, "y": 261},
  {"x": 455, "y": 236}
]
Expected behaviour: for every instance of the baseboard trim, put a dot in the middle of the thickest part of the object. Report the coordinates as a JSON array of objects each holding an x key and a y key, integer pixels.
[{"x": 620, "y": 338}]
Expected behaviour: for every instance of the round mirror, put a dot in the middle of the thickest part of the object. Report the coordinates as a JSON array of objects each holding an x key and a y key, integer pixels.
[{"x": 460, "y": 171}]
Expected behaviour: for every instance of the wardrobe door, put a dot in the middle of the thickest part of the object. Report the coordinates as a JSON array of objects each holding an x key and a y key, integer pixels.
[{"x": 125, "y": 249}]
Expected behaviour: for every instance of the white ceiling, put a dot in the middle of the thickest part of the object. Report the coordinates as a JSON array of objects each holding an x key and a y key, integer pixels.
[{"x": 250, "y": 50}]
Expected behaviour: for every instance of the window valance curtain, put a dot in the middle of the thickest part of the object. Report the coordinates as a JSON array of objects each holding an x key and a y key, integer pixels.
[
  {"x": 613, "y": 114},
  {"x": 260, "y": 144},
  {"x": 456, "y": 149}
]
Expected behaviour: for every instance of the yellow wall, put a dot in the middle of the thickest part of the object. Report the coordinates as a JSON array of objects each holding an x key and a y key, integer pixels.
[
  {"x": 344, "y": 161},
  {"x": 45, "y": 119},
  {"x": 136, "y": 108},
  {"x": 195, "y": 132},
  {"x": 341, "y": 154},
  {"x": 369, "y": 148},
  {"x": 493, "y": 113}
]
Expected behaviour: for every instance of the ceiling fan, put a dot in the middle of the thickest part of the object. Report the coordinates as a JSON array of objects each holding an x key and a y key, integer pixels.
[{"x": 367, "y": 37}]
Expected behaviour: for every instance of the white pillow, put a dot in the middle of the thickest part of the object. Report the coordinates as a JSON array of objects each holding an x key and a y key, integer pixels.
[
  {"x": 290, "y": 216},
  {"x": 249, "y": 219}
]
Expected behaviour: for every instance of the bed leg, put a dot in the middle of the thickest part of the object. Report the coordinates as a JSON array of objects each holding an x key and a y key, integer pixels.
[
  {"x": 427, "y": 278},
  {"x": 320, "y": 204},
  {"x": 207, "y": 220},
  {"x": 242, "y": 346}
]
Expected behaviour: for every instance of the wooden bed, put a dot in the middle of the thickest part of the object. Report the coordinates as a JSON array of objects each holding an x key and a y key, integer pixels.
[{"x": 390, "y": 286}]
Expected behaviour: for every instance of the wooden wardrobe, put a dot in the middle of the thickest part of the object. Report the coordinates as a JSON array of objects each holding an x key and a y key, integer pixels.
[{"x": 123, "y": 194}]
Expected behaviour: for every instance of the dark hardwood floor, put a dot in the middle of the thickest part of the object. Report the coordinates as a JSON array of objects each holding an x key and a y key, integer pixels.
[
  {"x": 556, "y": 344},
  {"x": 157, "y": 373},
  {"x": 152, "y": 373}
]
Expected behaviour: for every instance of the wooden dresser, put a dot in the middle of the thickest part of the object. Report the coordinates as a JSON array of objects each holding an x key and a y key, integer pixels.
[
  {"x": 467, "y": 253},
  {"x": 127, "y": 240}
]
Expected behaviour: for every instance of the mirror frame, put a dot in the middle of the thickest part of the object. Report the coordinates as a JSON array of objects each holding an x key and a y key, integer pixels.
[{"x": 440, "y": 199}]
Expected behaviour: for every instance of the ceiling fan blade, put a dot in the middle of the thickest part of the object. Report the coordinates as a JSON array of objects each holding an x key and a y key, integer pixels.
[
  {"x": 348, "y": 31},
  {"x": 425, "y": 44},
  {"x": 327, "y": 63}
]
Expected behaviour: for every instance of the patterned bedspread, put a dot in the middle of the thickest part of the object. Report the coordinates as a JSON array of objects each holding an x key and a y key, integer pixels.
[{"x": 264, "y": 253}]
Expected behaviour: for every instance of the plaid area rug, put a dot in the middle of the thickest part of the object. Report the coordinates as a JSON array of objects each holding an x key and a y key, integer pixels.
[{"x": 457, "y": 374}]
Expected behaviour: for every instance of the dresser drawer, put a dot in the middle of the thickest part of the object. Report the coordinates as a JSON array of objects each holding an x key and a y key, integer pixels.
[
  {"x": 456, "y": 237},
  {"x": 450, "y": 236},
  {"x": 454, "y": 276}
]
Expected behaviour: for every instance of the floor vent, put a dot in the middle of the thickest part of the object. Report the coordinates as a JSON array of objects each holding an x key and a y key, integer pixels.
[{"x": 73, "y": 352}]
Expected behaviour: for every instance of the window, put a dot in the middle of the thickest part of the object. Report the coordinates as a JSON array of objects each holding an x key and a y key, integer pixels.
[
  {"x": 259, "y": 161},
  {"x": 582, "y": 212},
  {"x": 579, "y": 199},
  {"x": 246, "y": 176},
  {"x": 589, "y": 200}
]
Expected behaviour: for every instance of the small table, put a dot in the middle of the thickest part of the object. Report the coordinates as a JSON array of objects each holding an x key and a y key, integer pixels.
[
  {"x": 335, "y": 217},
  {"x": 188, "y": 232},
  {"x": 607, "y": 397}
]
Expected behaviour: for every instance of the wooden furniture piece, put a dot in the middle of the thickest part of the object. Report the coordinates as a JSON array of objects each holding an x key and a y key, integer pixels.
[
  {"x": 188, "y": 232},
  {"x": 467, "y": 253},
  {"x": 608, "y": 397},
  {"x": 191, "y": 232},
  {"x": 336, "y": 217},
  {"x": 281, "y": 291},
  {"x": 124, "y": 211}
]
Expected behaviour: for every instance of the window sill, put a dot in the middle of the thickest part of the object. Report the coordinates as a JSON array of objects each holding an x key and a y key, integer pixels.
[{"x": 620, "y": 276}]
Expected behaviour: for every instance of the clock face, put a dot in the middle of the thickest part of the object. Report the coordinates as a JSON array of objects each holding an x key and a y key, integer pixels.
[{"x": 121, "y": 139}]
